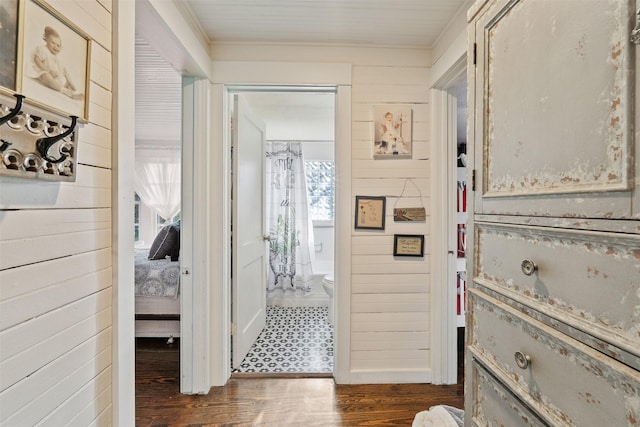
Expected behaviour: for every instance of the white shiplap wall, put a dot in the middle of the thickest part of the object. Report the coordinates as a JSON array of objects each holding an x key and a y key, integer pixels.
[
  {"x": 56, "y": 267},
  {"x": 390, "y": 298}
]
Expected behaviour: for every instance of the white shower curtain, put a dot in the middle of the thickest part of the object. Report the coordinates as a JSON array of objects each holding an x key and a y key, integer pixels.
[
  {"x": 157, "y": 180},
  {"x": 287, "y": 218}
]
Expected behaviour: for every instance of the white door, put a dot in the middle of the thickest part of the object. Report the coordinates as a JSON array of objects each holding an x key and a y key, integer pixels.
[{"x": 249, "y": 251}]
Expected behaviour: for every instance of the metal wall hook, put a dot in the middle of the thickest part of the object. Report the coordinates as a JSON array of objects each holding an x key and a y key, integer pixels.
[
  {"x": 14, "y": 111},
  {"x": 44, "y": 144},
  {"x": 5, "y": 144}
]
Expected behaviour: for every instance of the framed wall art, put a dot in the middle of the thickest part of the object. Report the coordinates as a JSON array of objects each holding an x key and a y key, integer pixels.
[
  {"x": 370, "y": 212},
  {"x": 10, "y": 15},
  {"x": 54, "y": 73},
  {"x": 392, "y": 131},
  {"x": 408, "y": 245}
]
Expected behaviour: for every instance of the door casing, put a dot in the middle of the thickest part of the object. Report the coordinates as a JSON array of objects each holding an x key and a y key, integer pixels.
[{"x": 230, "y": 76}]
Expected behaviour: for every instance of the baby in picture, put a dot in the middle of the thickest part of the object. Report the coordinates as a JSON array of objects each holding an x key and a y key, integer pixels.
[
  {"x": 391, "y": 141},
  {"x": 48, "y": 69}
]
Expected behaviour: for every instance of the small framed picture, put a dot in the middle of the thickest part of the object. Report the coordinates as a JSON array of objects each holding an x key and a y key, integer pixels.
[
  {"x": 392, "y": 133},
  {"x": 55, "y": 61},
  {"x": 408, "y": 245},
  {"x": 10, "y": 15},
  {"x": 370, "y": 212}
]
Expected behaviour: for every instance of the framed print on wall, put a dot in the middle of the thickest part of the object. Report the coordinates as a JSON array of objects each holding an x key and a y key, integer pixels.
[
  {"x": 408, "y": 245},
  {"x": 9, "y": 30},
  {"x": 55, "y": 61},
  {"x": 392, "y": 131},
  {"x": 370, "y": 212}
]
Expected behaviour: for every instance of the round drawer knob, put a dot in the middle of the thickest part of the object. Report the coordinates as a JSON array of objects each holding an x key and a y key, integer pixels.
[
  {"x": 522, "y": 360},
  {"x": 528, "y": 267}
]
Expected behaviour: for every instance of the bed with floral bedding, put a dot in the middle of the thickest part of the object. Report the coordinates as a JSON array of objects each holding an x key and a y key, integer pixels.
[{"x": 157, "y": 285}]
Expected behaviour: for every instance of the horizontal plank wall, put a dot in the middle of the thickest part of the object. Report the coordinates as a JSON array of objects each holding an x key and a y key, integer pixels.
[
  {"x": 56, "y": 267},
  {"x": 390, "y": 297}
]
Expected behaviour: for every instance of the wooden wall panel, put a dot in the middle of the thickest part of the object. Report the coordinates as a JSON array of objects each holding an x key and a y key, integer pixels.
[
  {"x": 56, "y": 266},
  {"x": 22, "y": 308},
  {"x": 389, "y": 303},
  {"x": 97, "y": 26},
  {"x": 390, "y": 322},
  {"x": 398, "y": 94},
  {"x": 101, "y": 67},
  {"x": 380, "y": 284},
  {"x": 85, "y": 405},
  {"x": 42, "y": 248},
  {"x": 34, "y": 394},
  {"x": 92, "y": 189},
  {"x": 376, "y": 341},
  {"x": 48, "y": 333},
  {"x": 390, "y": 295},
  {"x": 51, "y": 273},
  {"x": 99, "y": 407},
  {"x": 390, "y": 360}
]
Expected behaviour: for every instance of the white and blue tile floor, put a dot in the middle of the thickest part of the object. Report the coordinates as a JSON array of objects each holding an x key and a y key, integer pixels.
[{"x": 294, "y": 340}]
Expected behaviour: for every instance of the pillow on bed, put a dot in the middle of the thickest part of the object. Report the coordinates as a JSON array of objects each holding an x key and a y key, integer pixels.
[{"x": 167, "y": 242}]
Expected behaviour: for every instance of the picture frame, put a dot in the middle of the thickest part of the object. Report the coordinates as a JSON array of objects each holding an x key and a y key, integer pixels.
[
  {"x": 409, "y": 245},
  {"x": 10, "y": 16},
  {"x": 55, "y": 61},
  {"x": 392, "y": 131},
  {"x": 370, "y": 212}
]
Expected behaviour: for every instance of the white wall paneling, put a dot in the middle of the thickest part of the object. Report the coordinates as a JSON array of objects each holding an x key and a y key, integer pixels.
[
  {"x": 56, "y": 286},
  {"x": 377, "y": 285}
]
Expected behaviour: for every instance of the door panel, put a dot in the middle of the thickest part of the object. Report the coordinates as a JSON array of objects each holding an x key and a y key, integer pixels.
[
  {"x": 540, "y": 72},
  {"x": 248, "y": 262}
]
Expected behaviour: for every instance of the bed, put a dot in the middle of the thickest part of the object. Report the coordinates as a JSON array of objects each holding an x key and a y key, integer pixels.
[{"x": 157, "y": 286}]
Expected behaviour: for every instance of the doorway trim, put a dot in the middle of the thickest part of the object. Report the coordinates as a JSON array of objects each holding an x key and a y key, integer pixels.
[
  {"x": 443, "y": 259},
  {"x": 230, "y": 74}
]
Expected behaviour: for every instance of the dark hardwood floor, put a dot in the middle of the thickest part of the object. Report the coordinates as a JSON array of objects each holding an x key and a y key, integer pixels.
[{"x": 277, "y": 401}]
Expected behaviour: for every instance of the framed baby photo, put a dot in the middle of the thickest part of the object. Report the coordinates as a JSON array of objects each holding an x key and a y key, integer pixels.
[
  {"x": 10, "y": 14},
  {"x": 55, "y": 61},
  {"x": 370, "y": 211},
  {"x": 392, "y": 131}
]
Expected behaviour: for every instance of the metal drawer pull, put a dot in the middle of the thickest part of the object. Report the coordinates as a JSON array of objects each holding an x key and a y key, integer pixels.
[
  {"x": 522, "y": 360},
  {"x": 528, "y": 267}
]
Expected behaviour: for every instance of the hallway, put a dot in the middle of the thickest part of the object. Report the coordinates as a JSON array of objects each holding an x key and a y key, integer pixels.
[{"x": 275, "y": 401}]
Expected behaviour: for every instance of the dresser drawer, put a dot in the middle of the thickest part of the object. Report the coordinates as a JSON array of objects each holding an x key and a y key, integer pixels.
[
  {"x": 588, "y": 280},
  {"x": 494, "y": 405},
  {"x": 563, "y": 380}
]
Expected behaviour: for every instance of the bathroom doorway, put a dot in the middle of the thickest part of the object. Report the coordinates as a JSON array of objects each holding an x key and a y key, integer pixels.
[{"x": 299, "y": 151}]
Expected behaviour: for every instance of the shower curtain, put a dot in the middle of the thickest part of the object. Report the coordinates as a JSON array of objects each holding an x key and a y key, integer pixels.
[{"x": 287, "y": 218}]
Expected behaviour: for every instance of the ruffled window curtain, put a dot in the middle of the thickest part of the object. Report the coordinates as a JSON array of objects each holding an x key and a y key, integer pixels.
[
  {"x": 157, "y": 180},
  {"x": 287, "y": 218}
]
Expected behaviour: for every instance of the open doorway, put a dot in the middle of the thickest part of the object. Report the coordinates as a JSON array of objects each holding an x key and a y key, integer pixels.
[
  {"x": 283, "y": 317},
  {"x": 462, "y": 188},
  {"x": 157, "y": 183}
]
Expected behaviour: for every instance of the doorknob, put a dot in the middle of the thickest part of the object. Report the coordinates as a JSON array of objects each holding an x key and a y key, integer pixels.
[{"x": 266, "y": 238}]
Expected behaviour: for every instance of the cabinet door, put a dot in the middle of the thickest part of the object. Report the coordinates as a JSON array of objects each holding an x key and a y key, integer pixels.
[{"x": 554, "y": 108}]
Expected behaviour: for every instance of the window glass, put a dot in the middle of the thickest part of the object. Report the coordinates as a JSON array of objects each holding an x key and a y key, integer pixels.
[{"x": 320, "y": 189}]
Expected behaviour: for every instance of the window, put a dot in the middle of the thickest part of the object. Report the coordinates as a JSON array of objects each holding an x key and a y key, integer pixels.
[
  {"x": 320, "y": 189},
  {"x": 160, "y": 222}
]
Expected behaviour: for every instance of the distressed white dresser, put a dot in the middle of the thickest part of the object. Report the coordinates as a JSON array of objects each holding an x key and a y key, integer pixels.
[{"x": 553, "y": 320}]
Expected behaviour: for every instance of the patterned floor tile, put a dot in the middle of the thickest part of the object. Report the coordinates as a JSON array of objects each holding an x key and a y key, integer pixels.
[{"x": 295, "y": 339}]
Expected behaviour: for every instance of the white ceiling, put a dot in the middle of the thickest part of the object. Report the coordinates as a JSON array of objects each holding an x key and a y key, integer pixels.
[
  {"x": 157, "y": 98},
  {"x": 381, "y": 22},
  {"x": 366, "y": 22}
]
